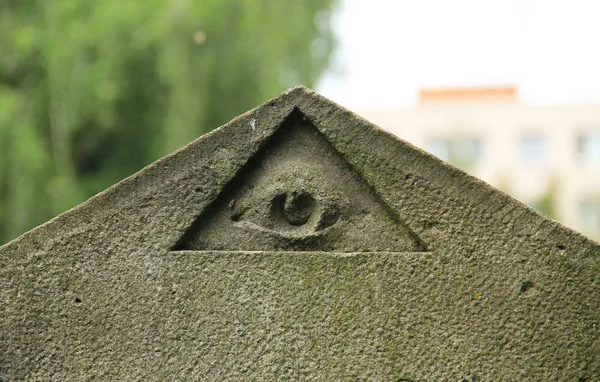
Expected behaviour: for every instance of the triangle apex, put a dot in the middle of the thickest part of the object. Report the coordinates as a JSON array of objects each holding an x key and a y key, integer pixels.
[{"x": 299, "y": 89}]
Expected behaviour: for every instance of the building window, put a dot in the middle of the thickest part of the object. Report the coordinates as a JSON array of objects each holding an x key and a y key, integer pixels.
[
  {"x": 460, "y": 152},
  {"x": 589, "y": 211},
  {"x": 533, "y": 149},
  {"x": 589, "y": 147}
]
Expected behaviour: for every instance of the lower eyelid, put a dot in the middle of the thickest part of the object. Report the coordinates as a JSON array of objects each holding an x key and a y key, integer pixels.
[{"x": 291, "y": 234}]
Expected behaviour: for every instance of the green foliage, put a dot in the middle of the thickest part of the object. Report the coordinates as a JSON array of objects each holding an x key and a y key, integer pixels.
[
  {"x": 92, "y": 91},
  {"x": 546, "y": 204}
]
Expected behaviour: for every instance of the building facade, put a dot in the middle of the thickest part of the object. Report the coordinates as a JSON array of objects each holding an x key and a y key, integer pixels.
[{"x": 546, "y": 156}]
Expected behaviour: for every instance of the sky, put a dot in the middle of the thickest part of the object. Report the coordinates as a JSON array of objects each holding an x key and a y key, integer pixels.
[{"x": 389, "y": 49}]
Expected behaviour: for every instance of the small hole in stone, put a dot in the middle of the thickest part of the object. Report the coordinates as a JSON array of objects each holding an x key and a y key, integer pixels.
[
  {"x": 561, "y": 247},
  {"x": 197, "y": 189},
  {"x": 78, "y": 300},
  {"x": 250, "y": 186},
  {"x": 294, "y": 193},
  {"x": 526, "y": 286}
]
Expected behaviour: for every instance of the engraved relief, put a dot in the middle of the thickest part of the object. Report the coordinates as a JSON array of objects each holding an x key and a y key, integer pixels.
[
  {"x": 299, "y": 194},
  {"x": 291, "y": 214}
]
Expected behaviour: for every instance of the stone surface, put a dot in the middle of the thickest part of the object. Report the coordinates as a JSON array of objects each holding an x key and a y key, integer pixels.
[{"x": 300, "y": 242}]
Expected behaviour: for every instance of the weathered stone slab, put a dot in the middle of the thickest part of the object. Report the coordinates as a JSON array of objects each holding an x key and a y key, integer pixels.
[{"x": 300, "y": 242}]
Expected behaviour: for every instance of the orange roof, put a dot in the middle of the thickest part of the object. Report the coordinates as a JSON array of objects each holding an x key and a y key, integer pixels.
[{"x": 463, "y": 94}]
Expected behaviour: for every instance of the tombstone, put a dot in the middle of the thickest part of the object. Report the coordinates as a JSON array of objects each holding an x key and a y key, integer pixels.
[{"x": 300, "y": 242}]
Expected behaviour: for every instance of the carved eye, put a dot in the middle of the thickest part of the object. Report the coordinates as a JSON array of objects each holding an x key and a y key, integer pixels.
[
  {"x": 291, "y": 214},
  {"x": 298, "y": 209}
]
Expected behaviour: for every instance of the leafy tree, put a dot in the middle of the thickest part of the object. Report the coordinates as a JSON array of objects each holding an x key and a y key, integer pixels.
[{"x": 92, "y": 91}]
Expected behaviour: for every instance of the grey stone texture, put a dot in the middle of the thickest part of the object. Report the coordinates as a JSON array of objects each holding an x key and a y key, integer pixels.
[{"x": 300, "y": 242}]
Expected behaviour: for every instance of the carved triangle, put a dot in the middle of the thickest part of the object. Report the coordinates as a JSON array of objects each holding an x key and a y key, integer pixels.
[{"x": 299, "y": 194}]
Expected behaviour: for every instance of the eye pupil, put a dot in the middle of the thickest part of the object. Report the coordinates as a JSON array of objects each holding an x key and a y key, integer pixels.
[{"x": 298, "y": 208}]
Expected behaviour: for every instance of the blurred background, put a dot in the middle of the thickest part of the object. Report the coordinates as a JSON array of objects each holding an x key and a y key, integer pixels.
[
  {"x": 508, "y": 91},
  {"x": 91, "y": 92}
]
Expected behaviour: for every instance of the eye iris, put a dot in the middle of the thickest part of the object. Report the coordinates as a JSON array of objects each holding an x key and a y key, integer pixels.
[{"x": 297, "y": 208}]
